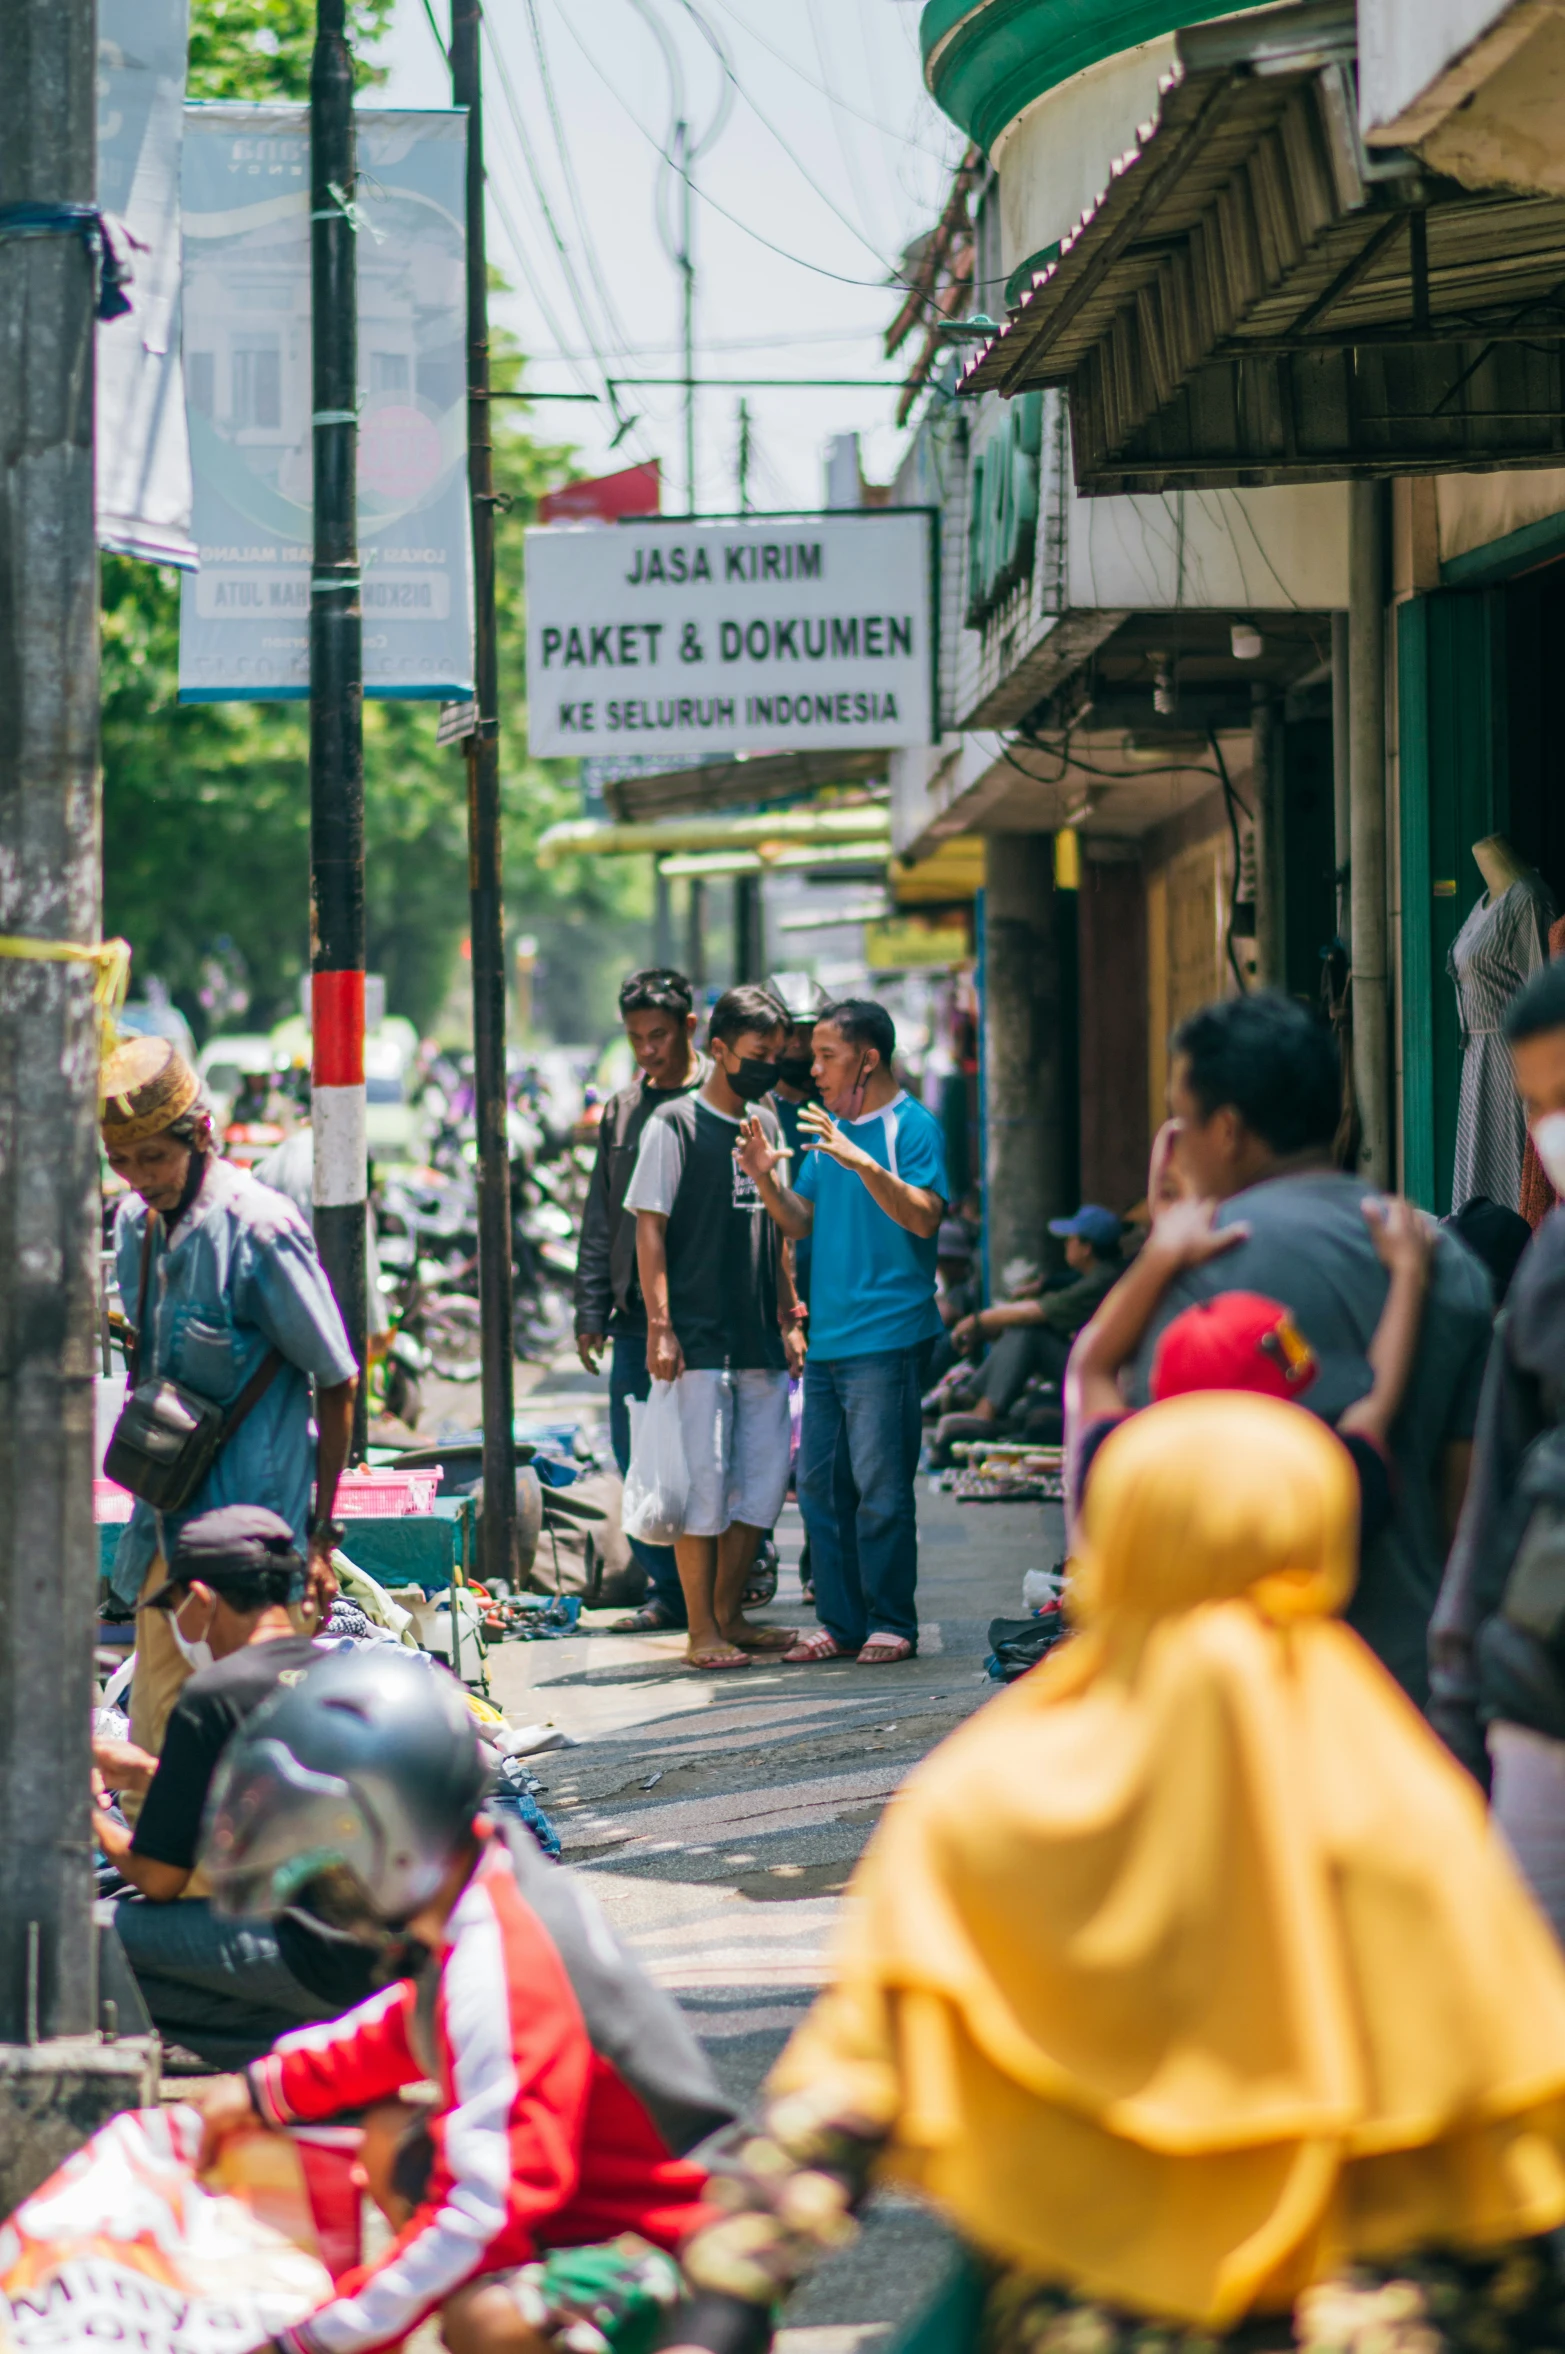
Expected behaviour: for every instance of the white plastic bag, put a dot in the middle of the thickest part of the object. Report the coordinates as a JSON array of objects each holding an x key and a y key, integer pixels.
[
  {"x": 125, "y": 2246},
  {"x": 657, "y": 1483}
]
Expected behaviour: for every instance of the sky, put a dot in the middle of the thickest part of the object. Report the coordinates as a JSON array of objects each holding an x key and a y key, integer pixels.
[{"x": 828, "y": 157}]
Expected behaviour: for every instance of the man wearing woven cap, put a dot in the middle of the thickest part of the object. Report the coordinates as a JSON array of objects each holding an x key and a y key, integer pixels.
[
  {"x": 221, "y": 1278},
  {"x": 223, "y": 1988}
]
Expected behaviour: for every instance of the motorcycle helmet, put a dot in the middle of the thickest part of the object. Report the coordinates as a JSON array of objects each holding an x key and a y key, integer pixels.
[{"x": 347, "y": 1794}]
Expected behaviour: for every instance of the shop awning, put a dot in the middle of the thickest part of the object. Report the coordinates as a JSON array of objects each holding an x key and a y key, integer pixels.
[
  {"x": 747, "y": 780},
  {"x": 1255, "y": 298},
  {"x": 767, "y": 836}
]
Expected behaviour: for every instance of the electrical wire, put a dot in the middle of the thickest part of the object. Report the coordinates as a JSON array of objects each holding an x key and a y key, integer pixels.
[
  {"x": 567, "y": 267},
  {"x": 568, "y": 174},
  {"x": 767, "y": 124},
  {"x": 845, "y": 146},
  {"x": 842, "y": 104},
  {"x": 816, "y": 269}
]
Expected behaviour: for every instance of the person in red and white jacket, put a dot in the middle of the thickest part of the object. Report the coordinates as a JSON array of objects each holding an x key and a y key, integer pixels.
[{"x": 536, "y": 2137}]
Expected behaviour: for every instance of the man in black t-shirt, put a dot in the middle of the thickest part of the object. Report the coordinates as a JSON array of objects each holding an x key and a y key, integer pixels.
[
  {"x": 225, "y": 1989},
  {"x": 721, "y": 1320}
]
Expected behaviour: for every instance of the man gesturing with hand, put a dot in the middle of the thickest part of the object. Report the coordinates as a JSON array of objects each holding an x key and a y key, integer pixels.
[{"x": 871, "y": 1197}]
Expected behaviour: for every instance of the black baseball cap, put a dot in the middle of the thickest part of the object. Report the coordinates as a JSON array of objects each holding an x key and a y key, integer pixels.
[{"x": 226, "y": 1548}]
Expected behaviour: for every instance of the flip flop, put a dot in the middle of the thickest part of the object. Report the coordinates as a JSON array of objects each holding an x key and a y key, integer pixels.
[
  {"x": 650, "y": 1619},
  {"x": 885, "y": 1651},
  {"x": 815, "y": 1647},
  {"x": 716, "y": 1662},
  {"x": 766, "y": 1639}
]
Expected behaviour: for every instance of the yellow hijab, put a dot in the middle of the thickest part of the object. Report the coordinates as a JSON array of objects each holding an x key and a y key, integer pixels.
[{"x": 1190, "y": 1967}]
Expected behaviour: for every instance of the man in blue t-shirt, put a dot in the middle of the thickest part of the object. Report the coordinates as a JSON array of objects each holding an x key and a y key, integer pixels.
[{"x": 870, "y": 1196}]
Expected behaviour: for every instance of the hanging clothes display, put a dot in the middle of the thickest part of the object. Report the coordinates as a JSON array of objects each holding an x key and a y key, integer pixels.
[{"x": 1502, "y": 943}]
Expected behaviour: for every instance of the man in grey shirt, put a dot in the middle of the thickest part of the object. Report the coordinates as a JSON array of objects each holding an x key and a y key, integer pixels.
[{"x": 1255, "y": 1094}]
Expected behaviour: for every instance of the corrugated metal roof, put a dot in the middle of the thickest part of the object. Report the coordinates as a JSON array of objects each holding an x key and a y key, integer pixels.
[{"x": 1254, "y": 298}]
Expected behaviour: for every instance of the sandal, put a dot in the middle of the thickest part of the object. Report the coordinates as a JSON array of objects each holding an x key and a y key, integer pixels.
[
  {"x": 765, "y": 1639},
  {"x": 716, "y": 1662},
  {"x": 650, "y": 1619},
  {"x": 885, "y": 1651},
  {"x": 820, "y": 1645}
]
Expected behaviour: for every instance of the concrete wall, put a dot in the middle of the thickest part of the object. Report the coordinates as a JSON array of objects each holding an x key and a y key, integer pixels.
[{"x": 1054, "y": 159}]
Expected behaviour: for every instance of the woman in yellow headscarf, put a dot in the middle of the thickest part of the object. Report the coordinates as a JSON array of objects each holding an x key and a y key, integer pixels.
[{"x": 1188, "y": 1976}]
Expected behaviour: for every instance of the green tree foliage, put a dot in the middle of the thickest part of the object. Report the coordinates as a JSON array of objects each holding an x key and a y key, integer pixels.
[{"x": 206, "y": 806}]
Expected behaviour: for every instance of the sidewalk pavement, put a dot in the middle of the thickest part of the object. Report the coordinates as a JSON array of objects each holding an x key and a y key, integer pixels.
[{"x": 719, "y": 1817}]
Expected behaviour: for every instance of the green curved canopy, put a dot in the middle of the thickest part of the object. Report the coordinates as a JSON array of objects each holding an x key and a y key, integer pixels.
[{"x": 984, "y": 60}]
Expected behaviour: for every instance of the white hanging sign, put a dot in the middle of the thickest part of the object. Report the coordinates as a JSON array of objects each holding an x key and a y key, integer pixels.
[{"x": 804, "y": 633}]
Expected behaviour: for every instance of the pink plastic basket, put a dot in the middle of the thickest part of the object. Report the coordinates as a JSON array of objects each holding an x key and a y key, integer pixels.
[
  {"x": 110, "y": 1502},
  {"x": 385, "y": 1495}
]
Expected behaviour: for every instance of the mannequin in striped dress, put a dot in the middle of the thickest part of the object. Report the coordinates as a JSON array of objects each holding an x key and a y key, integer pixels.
[{"x": 1503, "y": 942}]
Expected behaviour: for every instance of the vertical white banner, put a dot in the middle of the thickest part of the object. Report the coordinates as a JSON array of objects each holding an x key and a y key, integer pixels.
[
  {"x": 143, "y": 454},
  {"x": 244, "y": 618}
]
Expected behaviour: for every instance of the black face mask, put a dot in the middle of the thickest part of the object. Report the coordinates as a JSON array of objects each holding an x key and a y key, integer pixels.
[
  {"x": 796, "y": 1074},
  {"x": 753, "y": 1079}
]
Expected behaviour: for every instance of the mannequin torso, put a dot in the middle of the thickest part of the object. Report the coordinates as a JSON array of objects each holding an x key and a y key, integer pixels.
[{"x": 1499, "y": 864}]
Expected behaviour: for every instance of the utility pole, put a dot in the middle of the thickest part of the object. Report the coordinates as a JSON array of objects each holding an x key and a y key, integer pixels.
[
  {"x": 486, "y": 903},
  {"x": 687, "y": 277},
  {"x": 745, "y": 455},
  {"x": 337, "y": 696},
  {"x": 57, "y": 2081}
]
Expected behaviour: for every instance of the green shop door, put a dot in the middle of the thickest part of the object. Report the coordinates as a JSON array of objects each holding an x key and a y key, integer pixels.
[{"x": 1452, "y": 709}]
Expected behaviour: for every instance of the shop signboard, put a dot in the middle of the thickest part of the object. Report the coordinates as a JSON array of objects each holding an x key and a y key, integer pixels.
[
  {"x": 140, "y": 448},
  {"x": 781, "y": 633},
  {"x": 1002, "y": 529},
  {"x": 244, "y": 617}
]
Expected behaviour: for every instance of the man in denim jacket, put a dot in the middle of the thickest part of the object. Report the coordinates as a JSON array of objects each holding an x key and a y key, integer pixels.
[{"x": 232, "y": 1275}]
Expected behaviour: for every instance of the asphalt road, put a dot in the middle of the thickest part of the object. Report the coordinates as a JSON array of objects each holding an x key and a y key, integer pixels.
[{"x": 720, "y": 1818}]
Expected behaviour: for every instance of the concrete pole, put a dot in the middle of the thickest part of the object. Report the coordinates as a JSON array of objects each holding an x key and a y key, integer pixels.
[
  {"x": 695, "y": 933},
  {"x": 1367, "y": 829},
  {"x": 1024, "y": 1123},
  {"x": 57, "y": 2081},
  {"x": 662, "y": 917},
  {"x": 1266, "y": 801},
  {"x": 749, "y": 946},
  {"x": 1341, "y": 766},
  {"x": 486, "y": 898}
]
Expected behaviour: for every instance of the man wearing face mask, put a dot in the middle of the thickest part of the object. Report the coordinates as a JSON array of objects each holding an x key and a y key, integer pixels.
[
  {"x": 1497, "y": 1640},
  {"x": 721, "y": 1320},
  {"x": 222, "y": 1988}
]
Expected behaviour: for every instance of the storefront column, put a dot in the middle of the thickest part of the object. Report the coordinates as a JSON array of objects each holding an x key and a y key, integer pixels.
[
  {"x": 1367, "y": 828},
  {"x": 1026, "y": 1131}
]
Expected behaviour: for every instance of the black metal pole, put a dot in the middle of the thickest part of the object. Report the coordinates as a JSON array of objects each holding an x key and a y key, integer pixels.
[
  {"x": 337, "y": 694},
  {"x": 487, "y": 915},
  {"x": 49, "y": 891}
]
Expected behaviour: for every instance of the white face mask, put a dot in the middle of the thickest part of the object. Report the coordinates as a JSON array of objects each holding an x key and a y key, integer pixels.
[
  {"x": 1548, "y": 1136},
  {"x": 195, "y": 1655}
]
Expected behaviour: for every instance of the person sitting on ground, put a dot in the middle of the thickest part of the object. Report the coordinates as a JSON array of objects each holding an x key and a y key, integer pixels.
[
  {"x": 956, "y": 1295},
  {"x": 721, "y": 1321},
  {"x": 1187, "y": 1979},
  {"x": 221, "y": 1988},
  {"x": 1238, "y": 1340},
  {"x": 357, "y": 1791},
  {"x": 657, "y": 1007},
  {"x": 1032, "y": 1336},
  {"x": 1255, "y": 1091},
  {"x": 224, "y": 1276}
]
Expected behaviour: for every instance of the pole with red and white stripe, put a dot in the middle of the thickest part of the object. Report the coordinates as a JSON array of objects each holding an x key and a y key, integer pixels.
[{"x": 337, "y": 696}]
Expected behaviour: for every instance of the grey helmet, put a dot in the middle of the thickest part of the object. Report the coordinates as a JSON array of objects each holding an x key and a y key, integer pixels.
[{"x": 348, "y": 1793}]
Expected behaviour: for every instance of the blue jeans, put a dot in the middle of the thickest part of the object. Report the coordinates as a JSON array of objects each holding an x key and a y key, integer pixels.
[
  {"x": 219, "y": 1987},
  {"x": 629, "y": 1378},
  {"x": 858, "y": 1456}
]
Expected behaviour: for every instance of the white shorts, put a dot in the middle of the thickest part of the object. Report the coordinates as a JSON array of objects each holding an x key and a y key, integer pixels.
[{"x": 736, "y": 1434}]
